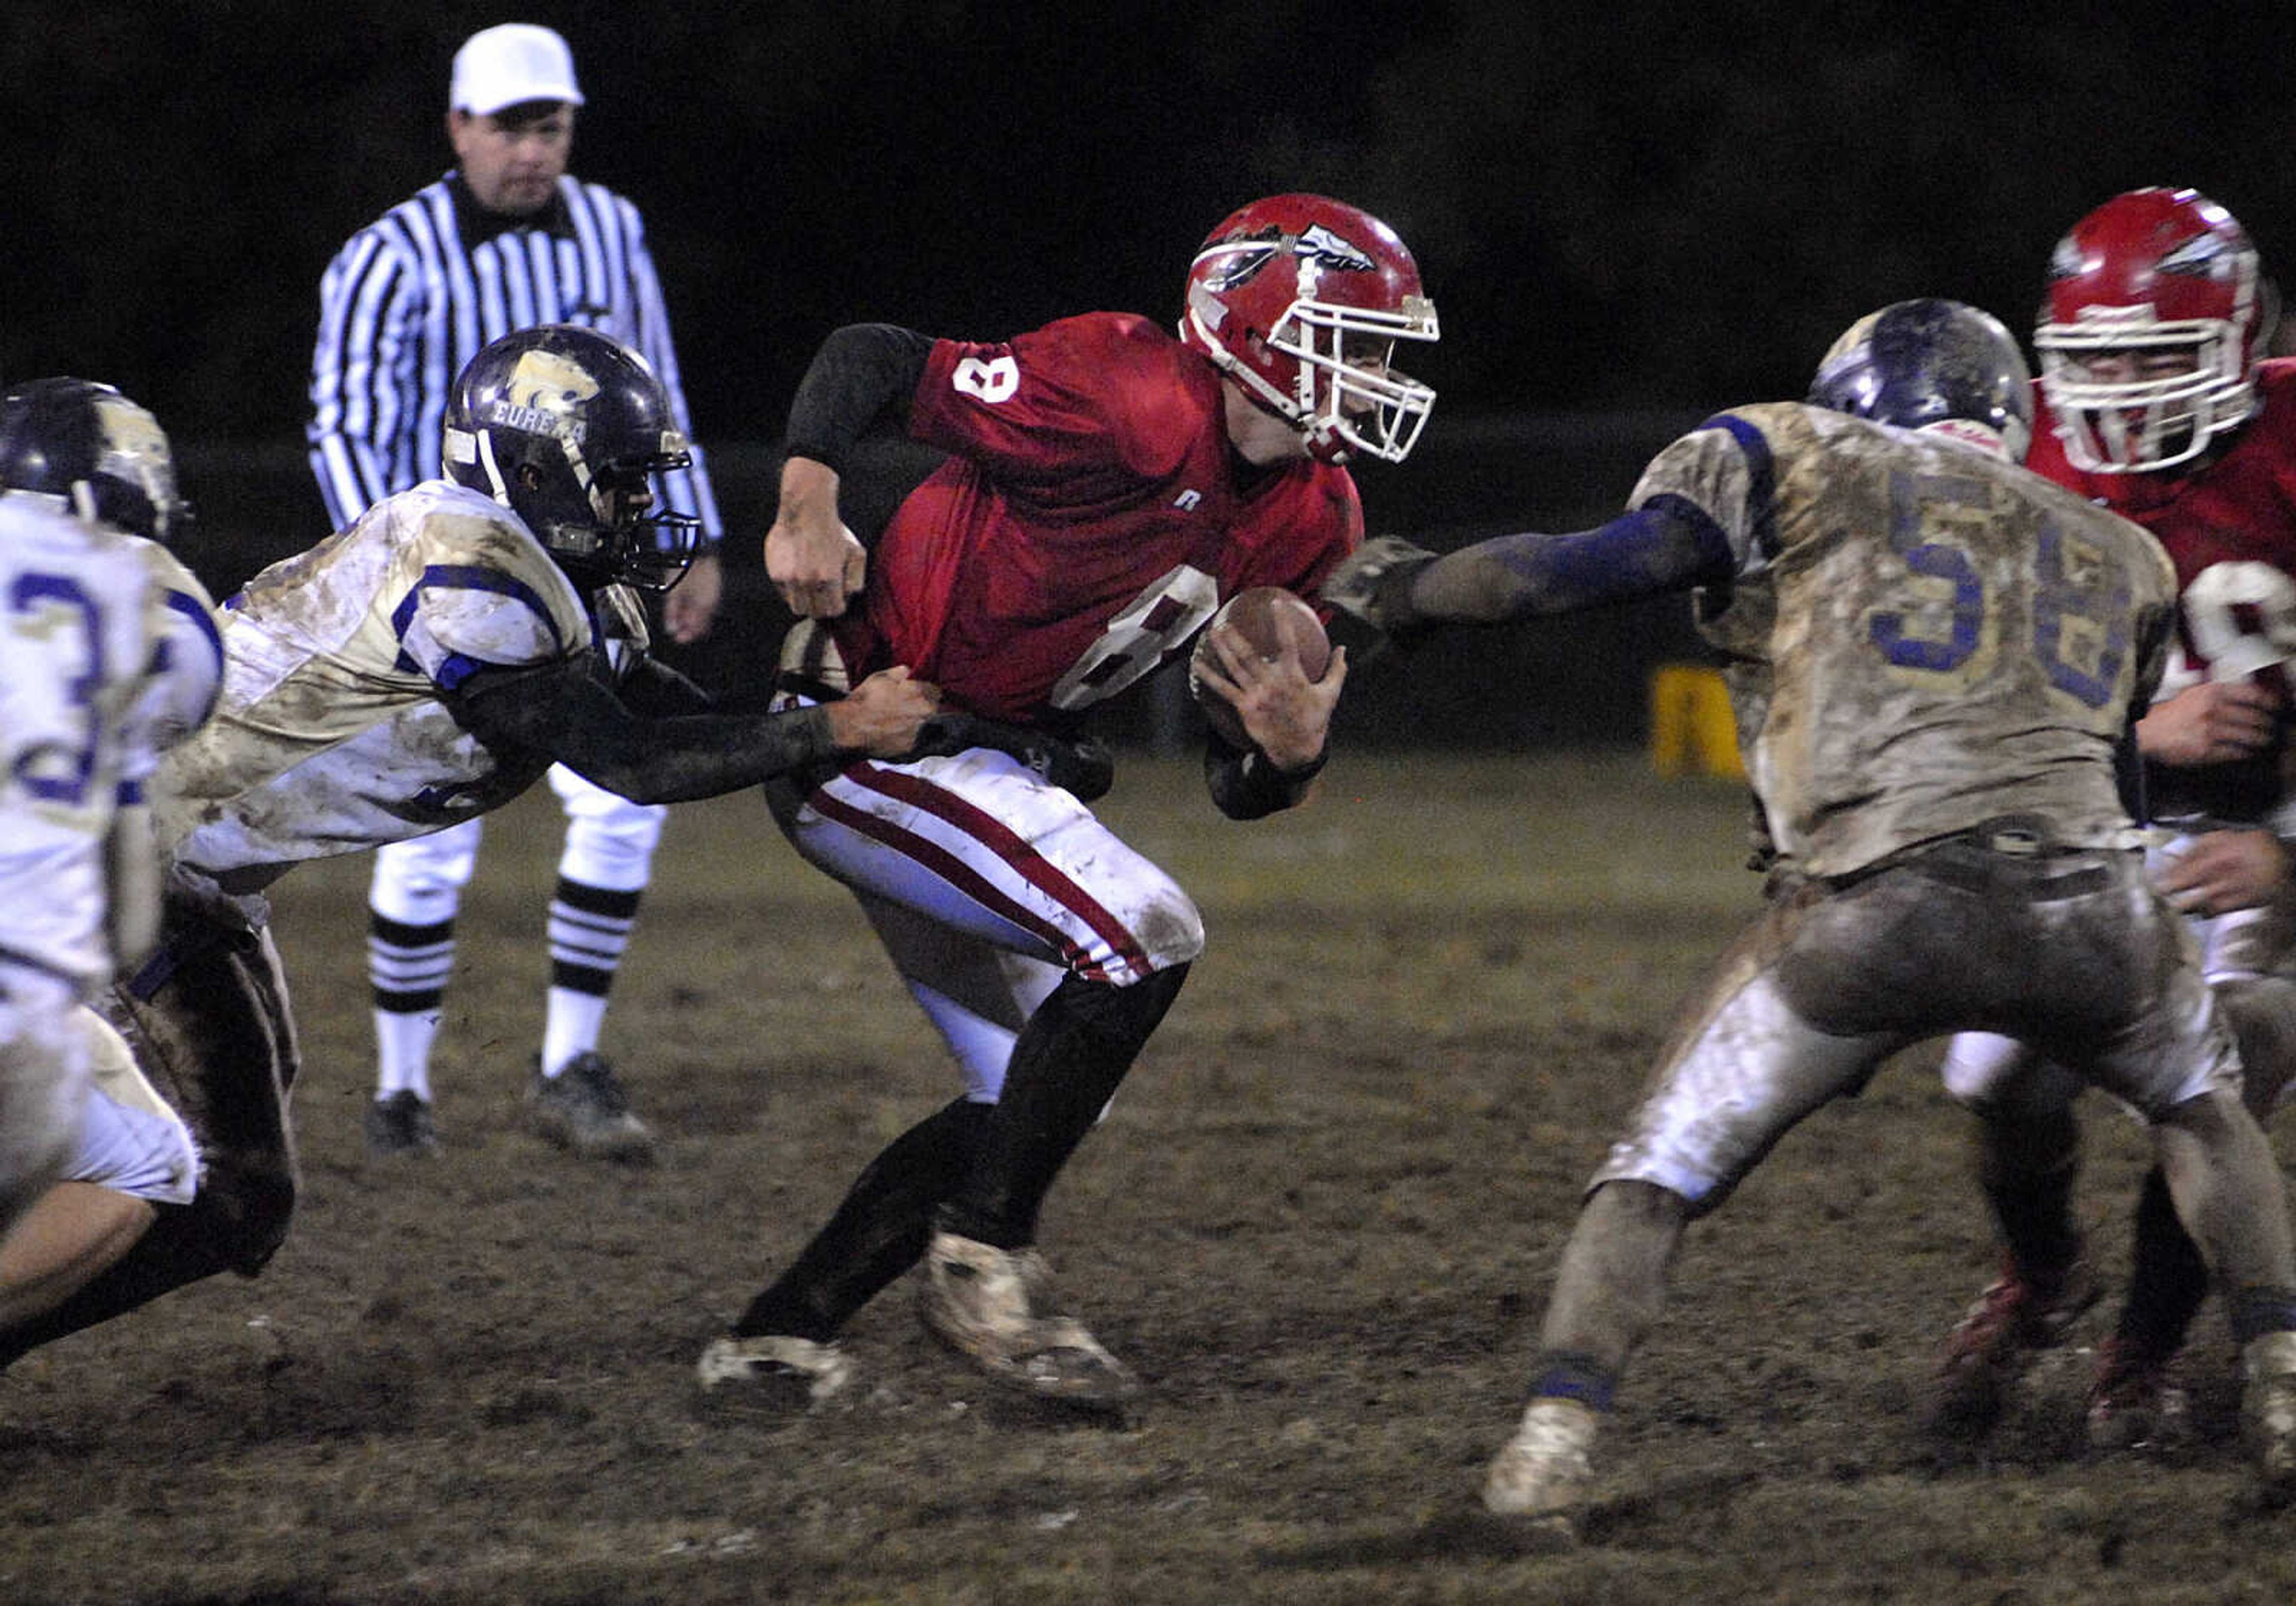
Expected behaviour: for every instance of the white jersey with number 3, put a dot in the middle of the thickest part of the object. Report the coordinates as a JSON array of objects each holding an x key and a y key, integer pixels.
[{"x": 77, "y": 648}]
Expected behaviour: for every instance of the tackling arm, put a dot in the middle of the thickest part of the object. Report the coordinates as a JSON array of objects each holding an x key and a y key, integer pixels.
[{"x": 562, "y": 710}]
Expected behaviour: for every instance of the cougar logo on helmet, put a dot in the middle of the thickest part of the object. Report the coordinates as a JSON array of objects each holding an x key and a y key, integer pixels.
[{"x": 544, "y": 396}]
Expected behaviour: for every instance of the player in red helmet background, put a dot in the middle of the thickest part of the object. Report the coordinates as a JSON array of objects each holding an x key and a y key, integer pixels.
[{"x": 2159, "y": 403}]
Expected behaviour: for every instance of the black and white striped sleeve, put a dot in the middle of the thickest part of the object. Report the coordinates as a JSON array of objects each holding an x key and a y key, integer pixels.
[{"x": 363, "y": 407}]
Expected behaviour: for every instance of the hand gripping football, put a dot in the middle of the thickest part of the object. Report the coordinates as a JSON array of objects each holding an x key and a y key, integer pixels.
[{"x": 1268, "y": 617}]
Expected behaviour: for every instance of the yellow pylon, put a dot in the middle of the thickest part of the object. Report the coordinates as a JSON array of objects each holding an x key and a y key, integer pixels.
[{"x": 1690, "y": 727}]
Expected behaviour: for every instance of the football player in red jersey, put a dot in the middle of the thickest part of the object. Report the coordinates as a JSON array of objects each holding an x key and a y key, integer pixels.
[
  {"x": 1107, "y": 487},
  {"x": 2157, "y": 403}
]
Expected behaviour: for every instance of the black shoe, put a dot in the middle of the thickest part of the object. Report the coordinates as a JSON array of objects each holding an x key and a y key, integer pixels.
[
  {"x": 583, "y": 1109},
  {"x": 401, "y": 1125}
]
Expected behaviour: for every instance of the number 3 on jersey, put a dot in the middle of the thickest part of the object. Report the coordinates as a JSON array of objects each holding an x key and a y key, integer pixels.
[
  {"x": 54, "y": 616},
  {"x": 1151, "y": 625}
]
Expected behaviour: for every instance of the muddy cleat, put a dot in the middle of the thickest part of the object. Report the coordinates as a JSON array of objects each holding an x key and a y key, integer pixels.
[
  {"x": 982, "y": 1302},
  {"x": 1989, "y": 1350},
  {"x": 583, "y": 1109},
  {"x": 776, "y": 1364},
  {"x": 2268, "y": 1407},
  {"x": 401, "y": 1125},
  {"x": 2136, "y": 1402},
  {"x": 1544, "y": 1470}
]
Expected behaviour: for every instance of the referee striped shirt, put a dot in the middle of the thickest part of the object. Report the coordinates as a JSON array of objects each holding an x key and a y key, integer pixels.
[{"x": 411, "y": 299}]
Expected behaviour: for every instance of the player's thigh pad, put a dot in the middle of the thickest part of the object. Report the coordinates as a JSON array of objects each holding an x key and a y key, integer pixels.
[{"x": 980, "y": 844}]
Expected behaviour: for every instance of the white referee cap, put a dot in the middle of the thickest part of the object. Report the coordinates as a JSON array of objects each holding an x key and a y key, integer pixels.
[{"x": 512, "y": 63}]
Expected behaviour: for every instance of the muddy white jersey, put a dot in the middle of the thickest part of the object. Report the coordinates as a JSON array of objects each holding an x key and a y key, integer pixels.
[
  {"x": 1924, "y": 637},
  {"x": 332, "y": 735},
  {"x": 76, "y": 649}
]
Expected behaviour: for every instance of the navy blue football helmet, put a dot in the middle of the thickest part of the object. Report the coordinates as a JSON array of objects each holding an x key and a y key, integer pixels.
[
  {"x": 1932, "y": 364},
  {"x": 103, "y": 455},
  {"x": 566, "y": 427}
]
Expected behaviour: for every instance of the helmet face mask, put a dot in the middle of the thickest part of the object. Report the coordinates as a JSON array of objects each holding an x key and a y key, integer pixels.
[
  {"x": 565, "y": 427},
  {"x": 1936, "y": 365},
  {"x": 2155, "y": 316},
  {"x": 103, "y": 457},
  {"x": 1300, "y": 300}
]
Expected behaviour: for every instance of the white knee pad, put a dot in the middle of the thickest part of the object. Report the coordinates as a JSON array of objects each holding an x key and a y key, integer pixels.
[
  {"x": 610, "y": 841},
  {"x": 420, "y": 882}
]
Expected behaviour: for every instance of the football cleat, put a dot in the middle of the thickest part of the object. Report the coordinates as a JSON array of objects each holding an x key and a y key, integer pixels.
[
  {"x": 401, "y": 1125},
  {"x": 983, "y": 1302},
  {"x": 1985, "y": 1355},
  {"x": 2136, "y": 1401},
  {"x": 2268, "y": 1407},
  {"x": 1545, "y": 1469},
  {"x": 583, "y": 1109},
  {"x": 774, "y": 1363}
]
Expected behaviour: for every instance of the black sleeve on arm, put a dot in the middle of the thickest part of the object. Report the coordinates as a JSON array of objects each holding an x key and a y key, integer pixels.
[
  {"x": 861, "y": 371},
  {"x": 564, "y": 710},
  {"x": 1669, "y": 545},
  {"x": 1246, "y": 786}
]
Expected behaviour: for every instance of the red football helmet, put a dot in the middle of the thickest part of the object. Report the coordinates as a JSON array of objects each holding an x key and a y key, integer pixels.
[
  {"x": 2156, "y": 313},
  {"x": 1302, "y": 298}
]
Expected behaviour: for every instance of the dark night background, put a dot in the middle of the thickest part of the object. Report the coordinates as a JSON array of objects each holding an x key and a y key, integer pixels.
[{"x": 1628, "y": 214}]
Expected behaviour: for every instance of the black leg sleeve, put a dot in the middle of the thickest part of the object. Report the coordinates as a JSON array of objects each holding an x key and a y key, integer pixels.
[
  {"x": 1065, "y": 1068},
  {"x": 2167, "y": 1278},
  {"x": 2027, "y": 1166},
  {"x": 878, "y": 1232}
]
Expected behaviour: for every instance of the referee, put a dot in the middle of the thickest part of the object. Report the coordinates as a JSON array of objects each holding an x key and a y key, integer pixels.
[{"x": 507, "y": 240}]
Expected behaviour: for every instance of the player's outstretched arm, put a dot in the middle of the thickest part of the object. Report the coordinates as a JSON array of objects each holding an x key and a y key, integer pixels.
[
  {"x": 1654, "y": 550},
  {"x": 564, "y": 710}
]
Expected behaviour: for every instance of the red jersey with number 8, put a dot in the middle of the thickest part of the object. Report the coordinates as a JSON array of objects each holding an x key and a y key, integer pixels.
[
  {"x": 1091, "y": 518},
  {"x": 2228, "y": 523}
]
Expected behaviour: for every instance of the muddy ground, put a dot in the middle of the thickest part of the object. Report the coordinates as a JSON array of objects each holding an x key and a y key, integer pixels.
[{"x": 1320, "y": 1222}]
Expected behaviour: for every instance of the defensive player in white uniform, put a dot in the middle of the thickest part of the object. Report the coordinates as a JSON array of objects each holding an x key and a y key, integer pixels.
[
  {"x": 108, "y": 654},
  {"x": 417, "y": 669},
  {"x": 1936, "y": 657}
]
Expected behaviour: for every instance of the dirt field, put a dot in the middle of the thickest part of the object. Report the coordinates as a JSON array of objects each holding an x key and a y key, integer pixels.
[{"x": 1320, "y": 1222}]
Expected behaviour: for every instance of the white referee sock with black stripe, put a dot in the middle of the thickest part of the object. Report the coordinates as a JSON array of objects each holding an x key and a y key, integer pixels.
[
  {"x": 589, "y": 928},
  {"x": 408, "y": 966}
]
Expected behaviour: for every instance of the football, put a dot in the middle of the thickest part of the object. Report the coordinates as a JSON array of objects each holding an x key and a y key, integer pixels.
[{"x": 1269, "y": 617}]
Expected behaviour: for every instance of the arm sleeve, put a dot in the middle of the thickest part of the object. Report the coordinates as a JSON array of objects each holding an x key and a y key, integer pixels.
[
  {"x": 1667, "y": 544},
  {"x": 362, "y": 410},
  {"x": 861, "y": 373},
  {"x": 562, "y": 710},
  {"x": 1243, "y": 785}
]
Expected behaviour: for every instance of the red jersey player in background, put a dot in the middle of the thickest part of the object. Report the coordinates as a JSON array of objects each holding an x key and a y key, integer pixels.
[
  {"x": 2158, "y": 404},
  {"x": 1108, "y": 486}
]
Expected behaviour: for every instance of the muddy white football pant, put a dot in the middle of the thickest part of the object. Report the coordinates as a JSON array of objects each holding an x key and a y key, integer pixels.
[
  {"x": 987, "y": 885},
  {"x": 602, "y": 870}
]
